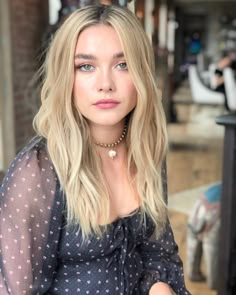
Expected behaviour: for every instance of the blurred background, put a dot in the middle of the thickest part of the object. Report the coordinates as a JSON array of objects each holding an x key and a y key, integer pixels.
[{"x": 194, "y": 42}]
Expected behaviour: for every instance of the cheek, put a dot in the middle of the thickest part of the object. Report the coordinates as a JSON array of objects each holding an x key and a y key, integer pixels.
[
  {"x": 133, "y": 92},
  {"x": 82, "y": 86},
  {"x": 80, "y": 90},
  {"x": 78, "y": 86},
  {"x": 77, "y": 94}
]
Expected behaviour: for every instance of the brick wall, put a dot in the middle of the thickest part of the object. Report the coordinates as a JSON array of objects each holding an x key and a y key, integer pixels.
[{"x": 29, "y": 20}]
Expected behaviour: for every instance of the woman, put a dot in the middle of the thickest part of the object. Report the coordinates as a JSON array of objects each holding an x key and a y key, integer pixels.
[
  {"x": 81, "y": 206},
  {"x": 227, "y": 60}
]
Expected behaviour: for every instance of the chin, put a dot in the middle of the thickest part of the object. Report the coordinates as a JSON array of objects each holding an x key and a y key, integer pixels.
[{"x": 108, "y": 120}]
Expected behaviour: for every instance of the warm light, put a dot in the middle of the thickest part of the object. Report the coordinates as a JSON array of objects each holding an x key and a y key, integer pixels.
[
  {"x": 162, "y": 26},
  {"x": 106, "y": 2},
  {"x": 139, "y": 14}
]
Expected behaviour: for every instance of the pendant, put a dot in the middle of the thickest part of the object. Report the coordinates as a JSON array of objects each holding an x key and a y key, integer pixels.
[{"x": 112, "y": 154}]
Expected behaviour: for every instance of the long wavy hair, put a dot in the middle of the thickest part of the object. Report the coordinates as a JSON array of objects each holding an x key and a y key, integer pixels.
[{"x": 69, "y": 143}]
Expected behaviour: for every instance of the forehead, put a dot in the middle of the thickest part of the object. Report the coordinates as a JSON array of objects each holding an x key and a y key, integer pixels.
[{"x": 98, "y": 38}]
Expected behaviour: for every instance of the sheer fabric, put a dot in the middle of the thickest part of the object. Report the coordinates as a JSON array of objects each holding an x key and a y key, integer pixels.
[{"x": 39, "y": 254}]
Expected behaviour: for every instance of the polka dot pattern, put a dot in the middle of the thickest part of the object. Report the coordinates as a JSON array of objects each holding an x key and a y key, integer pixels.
[{"x": 39, "y": 254}]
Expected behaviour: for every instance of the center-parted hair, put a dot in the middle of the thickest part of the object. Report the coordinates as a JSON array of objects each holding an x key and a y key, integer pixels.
[{"x": 70, "y": 145}]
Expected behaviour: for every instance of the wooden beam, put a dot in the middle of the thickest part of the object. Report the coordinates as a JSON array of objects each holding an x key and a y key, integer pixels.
[{"x": 7, "y": 139}]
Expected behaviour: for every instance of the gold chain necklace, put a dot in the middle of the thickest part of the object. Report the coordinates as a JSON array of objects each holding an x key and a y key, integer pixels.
[{"x": 112, "y": 153}]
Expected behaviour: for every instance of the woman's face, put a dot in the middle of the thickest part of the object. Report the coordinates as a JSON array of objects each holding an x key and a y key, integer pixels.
[{"x": 103, "y": 90}]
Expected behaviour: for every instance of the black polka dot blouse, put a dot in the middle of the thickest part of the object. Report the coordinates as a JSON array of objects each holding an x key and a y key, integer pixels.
[{"x": 39, "y": 254}]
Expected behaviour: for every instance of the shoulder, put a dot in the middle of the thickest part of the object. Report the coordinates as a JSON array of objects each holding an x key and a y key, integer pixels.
[
  {"x": 32, "y": 162},
  {"x": 31, "y": 187},
  {"x": 36, "y": 145},
  {"x": 30, "y": 154},
  {"x": 34, "y": 151}
]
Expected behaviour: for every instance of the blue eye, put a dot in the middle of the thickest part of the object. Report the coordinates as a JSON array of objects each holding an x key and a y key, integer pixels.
[
  {"x": 85, "y": 68},
  {"x": 122, "y": 66}
]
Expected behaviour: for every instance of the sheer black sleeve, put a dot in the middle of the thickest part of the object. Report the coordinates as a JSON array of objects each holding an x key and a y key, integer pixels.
[
  {"x": 162, "y": 263},
  {"x": 30, "y": 222}
]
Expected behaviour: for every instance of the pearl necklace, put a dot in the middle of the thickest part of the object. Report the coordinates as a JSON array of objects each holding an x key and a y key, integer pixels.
[{"x": 113, "y": 153}]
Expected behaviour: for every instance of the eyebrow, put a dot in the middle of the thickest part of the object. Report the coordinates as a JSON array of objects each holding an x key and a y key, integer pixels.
[{"x": 93, "y": 57}]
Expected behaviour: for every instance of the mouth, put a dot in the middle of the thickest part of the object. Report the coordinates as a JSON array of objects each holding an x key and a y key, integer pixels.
[{"x": 106, "y": 103}]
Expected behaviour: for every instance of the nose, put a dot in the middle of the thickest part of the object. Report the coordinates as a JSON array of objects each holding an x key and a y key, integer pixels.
[{"x": 105, "y": 81}]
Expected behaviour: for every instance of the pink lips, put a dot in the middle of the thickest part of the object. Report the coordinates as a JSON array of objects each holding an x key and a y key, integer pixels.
[{"x": 106, "y": 103}]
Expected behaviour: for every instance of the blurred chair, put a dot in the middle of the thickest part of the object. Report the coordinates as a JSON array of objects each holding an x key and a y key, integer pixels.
[
  {"x": 201, "y": 62},
  {"x": 212, "y": 80},
  {"x": 200, "y": 93},
  {"x": 230, "y": 88}
]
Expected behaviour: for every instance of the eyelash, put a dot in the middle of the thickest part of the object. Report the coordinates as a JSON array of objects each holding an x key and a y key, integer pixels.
[
  {"x": 123, "y": 63},
  {"x": 82, "y": 67}
]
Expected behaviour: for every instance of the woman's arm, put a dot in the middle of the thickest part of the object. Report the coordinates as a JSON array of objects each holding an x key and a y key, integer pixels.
[
  {"x": 29, "y": 225},
  {"x": 163, "y": 267}
]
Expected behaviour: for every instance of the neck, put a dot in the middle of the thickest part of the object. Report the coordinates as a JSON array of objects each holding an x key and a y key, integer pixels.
[
  {"x": 120, "y": 157},
  {"x": 106, "y": 134},
  {"x": 111, "y": 148}
]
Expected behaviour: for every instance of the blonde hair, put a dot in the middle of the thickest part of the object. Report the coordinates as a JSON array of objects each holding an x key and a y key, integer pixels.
[{"x": 68, "y": 139}]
